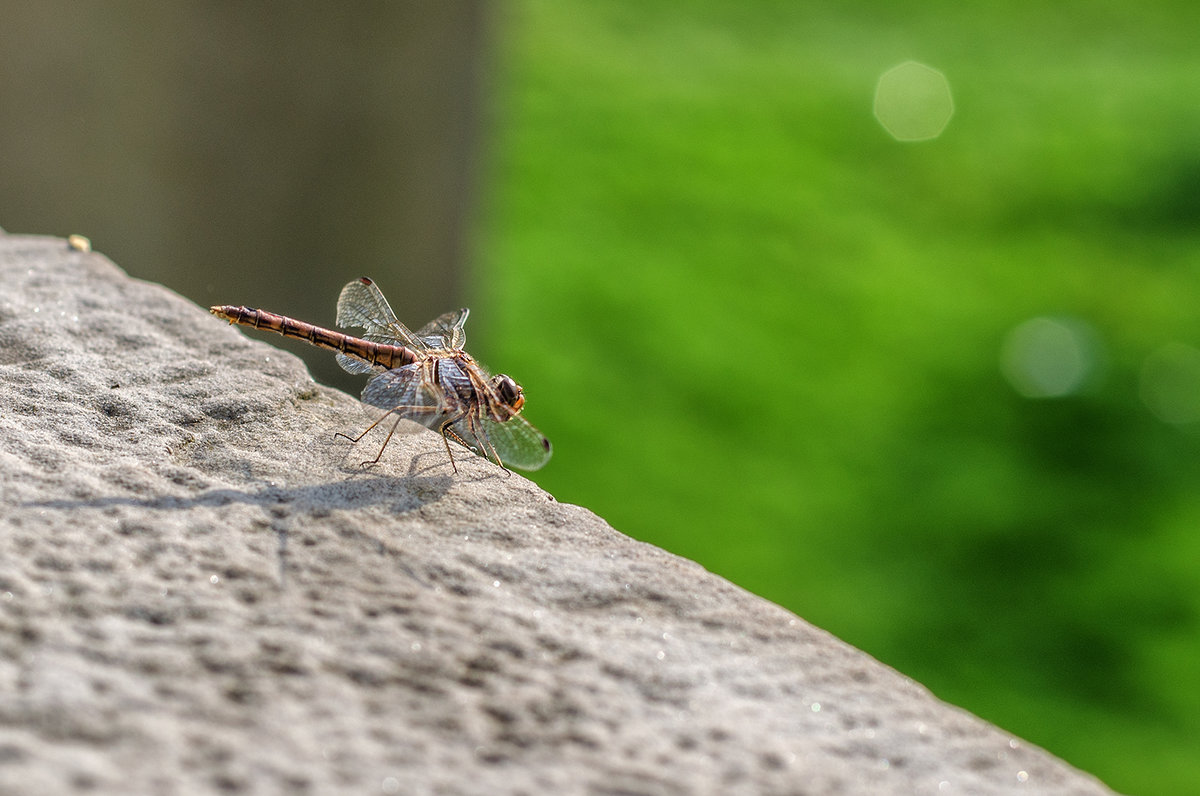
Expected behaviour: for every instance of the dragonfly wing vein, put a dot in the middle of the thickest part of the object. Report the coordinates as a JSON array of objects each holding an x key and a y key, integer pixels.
[
  {"x": 354, "y": 364},
  {"x": 446, "y": 330},
  {"x": 404, "y": 390},
  {"x": 517, "y": 442},
  {"x": 362, "y": 305}
]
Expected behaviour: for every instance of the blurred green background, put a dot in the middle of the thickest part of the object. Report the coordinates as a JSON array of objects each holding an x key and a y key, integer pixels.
[
  {"x": 941, "y": 398},
  {"x": 765, "y": 335}
]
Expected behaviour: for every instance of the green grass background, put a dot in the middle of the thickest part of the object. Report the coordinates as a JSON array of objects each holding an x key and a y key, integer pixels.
[{"x": 764, "y": 335}]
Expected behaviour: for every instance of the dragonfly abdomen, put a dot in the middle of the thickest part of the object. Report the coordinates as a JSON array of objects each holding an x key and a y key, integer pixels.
[{"x": 387, "y": 356}]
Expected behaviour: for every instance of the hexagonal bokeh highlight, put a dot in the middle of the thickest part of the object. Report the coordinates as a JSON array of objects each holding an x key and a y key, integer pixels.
[{"x": 913, "y": 102}]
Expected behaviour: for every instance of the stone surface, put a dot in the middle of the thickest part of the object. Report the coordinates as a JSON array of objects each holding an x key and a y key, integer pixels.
[{"x": 201, "y": 590}]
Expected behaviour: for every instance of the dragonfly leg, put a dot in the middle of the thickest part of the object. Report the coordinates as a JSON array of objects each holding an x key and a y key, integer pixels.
[
  {"x": 487, "y": 450},
  {"x": 490, "y": 450},
  {"x": 447, "y": 433},
  {"x": 485, "y": 447},
  {"x": 386, "y": 440},
  {"x": 367, "y": 430},
  {"x": 401, "y": 412},
  {"x": 444, "y": 429}
]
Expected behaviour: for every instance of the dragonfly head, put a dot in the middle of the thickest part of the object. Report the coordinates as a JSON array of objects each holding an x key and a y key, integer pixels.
[{"x": 509, "y": 391}]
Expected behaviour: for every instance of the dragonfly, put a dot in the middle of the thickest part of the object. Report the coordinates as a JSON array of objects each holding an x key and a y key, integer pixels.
[{"x": 425, "y": 377}]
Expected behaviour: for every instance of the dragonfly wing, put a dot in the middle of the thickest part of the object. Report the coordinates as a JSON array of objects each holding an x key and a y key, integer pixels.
[
  {"x": 362, "y": 305},
  {"x": 518, "y": 443},
  {"x": 402, "y": 390},
  {"x": 446, "y": 330},
  {"x": 354, "y": 364}
]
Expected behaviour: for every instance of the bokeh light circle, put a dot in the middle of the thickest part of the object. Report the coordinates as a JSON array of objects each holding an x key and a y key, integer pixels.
[
  {"x": 913, "y": 102},
  {"x": 1047, "y": 357},
  {"x": 1170, "y": 383}
]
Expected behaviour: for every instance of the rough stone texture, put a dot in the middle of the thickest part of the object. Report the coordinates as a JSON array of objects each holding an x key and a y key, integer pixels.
[{"x": 202, "y": 590}]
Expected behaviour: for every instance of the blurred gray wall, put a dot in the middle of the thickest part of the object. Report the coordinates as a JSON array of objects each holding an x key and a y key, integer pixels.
[{"x": 251, "y": 153}]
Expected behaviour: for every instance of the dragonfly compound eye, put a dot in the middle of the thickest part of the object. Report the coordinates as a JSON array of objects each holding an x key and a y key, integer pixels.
[{"x": 509, "y": 391}]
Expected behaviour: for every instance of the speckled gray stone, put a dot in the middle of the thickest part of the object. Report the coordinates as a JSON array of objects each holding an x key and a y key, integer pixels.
[{"x": 201, "y": 590}]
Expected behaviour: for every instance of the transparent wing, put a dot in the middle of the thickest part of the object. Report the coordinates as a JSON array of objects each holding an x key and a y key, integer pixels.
[
  {"x": 354, "y": 364},
  {"x": 404, "y": 390},
  {"x": 446, "y": 331},
  {"x": 517, "y": 443},
  {"x": 361, "y": 304}
]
